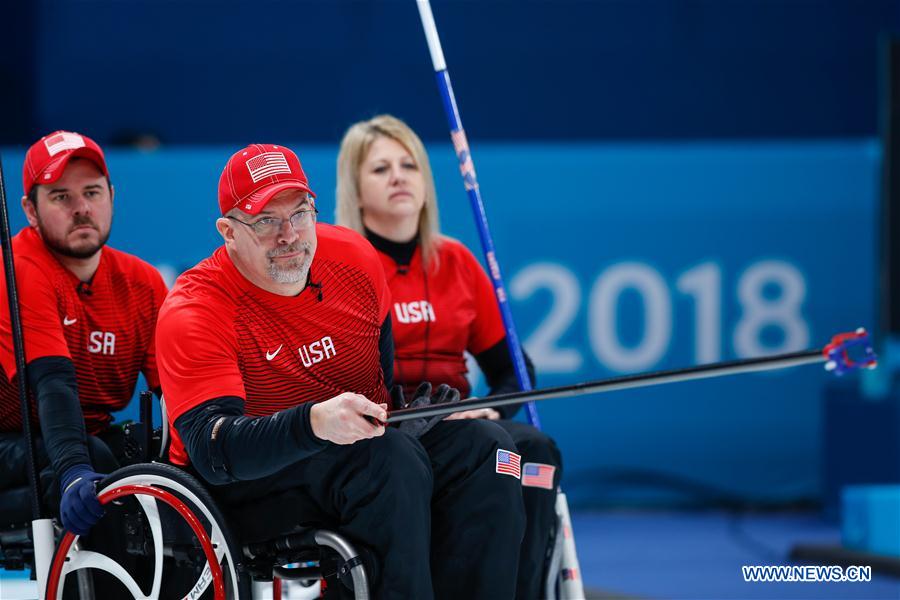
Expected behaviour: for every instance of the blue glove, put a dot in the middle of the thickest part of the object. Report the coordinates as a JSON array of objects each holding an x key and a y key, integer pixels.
[{"x": 79, "y": 508}]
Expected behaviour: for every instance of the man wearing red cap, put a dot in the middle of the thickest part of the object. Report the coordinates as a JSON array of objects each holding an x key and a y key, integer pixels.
[
  {"x": 88, "y": 317},
  {"x": 276, "y": 355}
]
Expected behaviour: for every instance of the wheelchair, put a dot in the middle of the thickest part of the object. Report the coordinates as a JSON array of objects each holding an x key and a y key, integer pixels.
[{"x": 172, "y": 522}]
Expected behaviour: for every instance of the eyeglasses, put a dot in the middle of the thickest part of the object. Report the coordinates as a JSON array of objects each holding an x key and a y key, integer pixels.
[{"x": 270, "y": 226}]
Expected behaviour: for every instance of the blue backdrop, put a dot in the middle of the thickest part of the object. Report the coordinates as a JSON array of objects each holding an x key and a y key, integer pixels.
[
  {"x": 623, "y": 258},
  {"x": 202, "y": 71}
]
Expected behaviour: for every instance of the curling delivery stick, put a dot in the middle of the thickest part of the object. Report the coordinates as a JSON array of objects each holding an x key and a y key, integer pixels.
[
  {"x": 467, "y": 170},
  {"x": 565, "y": 558},
  {"x": 836, "y": 356},
  {"x": 41, "y": 525}
]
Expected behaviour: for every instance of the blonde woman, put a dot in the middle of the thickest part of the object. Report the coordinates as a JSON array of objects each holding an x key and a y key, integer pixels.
[{"x": 443, "y": 305}]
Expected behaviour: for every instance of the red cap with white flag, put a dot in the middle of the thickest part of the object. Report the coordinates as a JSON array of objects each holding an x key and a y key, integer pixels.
[{"x": 256, "y": 173}]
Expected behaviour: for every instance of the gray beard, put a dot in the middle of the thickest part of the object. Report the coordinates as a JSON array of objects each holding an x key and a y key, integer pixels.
[{"x": 296, "y": 270}]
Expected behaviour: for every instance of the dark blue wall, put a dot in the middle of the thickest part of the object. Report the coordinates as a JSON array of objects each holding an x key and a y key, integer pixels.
[{"x": 231, "y": 71}]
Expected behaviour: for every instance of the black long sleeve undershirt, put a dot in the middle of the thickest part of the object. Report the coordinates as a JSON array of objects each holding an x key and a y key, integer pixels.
[
  {"x": 386, "y": 348},
  {"x": 401, "y": 252},
  {"x": 226, "y": 446},
  {"x": 54, "y": 385},
  {"x": 500, "y": 374}
]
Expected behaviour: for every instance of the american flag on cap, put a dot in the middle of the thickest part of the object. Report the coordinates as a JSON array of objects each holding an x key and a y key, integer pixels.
[
  {"x": 508, "y": 463},
  {"x": 64, "y": 140},
  {"x": 268, "y": 164},
  {"x": 538, "y": 475}
]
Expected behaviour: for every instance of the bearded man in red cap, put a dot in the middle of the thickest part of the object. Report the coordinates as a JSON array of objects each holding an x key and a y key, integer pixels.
[
  {"x": 88, "y": 316},
  {"x": 276, "y": 357}
]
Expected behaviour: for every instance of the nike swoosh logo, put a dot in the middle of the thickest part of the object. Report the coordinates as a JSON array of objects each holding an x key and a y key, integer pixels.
[
  {"x": 68, "y": 321},
  {"x": 271, "y": 355}
]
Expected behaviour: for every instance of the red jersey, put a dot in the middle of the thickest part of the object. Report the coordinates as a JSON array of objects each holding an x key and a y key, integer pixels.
[
  {"x": 106, "y": 327},
  {"x": 220, "y": 335},
  {"x": 439, "y": 314}
]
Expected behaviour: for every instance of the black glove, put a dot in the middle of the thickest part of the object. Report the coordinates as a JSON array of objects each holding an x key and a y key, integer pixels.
[{"x": 422, "y": 397}]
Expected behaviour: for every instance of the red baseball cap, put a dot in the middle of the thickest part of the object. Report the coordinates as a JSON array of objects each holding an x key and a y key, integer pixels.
[
  {"x": 47, "y": 158},
  {"x": 256, "y": 173}
]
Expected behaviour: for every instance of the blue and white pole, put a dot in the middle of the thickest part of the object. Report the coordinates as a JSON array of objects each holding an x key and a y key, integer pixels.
[
  {"x": 467, "y": 169},
  {"x": 564, "y": 580}
]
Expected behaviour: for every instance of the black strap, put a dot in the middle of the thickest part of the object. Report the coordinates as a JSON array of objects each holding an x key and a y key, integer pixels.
[{"x": 344, "y": 572}]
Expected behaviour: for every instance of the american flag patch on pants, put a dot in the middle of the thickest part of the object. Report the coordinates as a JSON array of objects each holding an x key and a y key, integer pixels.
[
  {"x": 538, "y": 475},
  {"x": 508, "y": 463}
]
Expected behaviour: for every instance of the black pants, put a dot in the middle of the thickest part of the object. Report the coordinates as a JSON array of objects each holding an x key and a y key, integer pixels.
[
  {"x": 540, "y": 507},
  {"x": 442, "y": 521},
  {"x": 107, "y": 453}
]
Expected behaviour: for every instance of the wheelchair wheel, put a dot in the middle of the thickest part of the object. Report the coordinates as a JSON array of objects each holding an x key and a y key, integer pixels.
[{"x": 174, "y": 515}]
